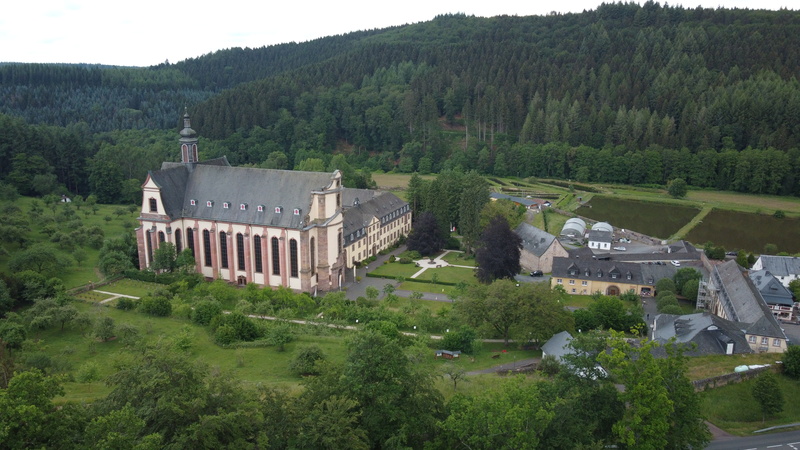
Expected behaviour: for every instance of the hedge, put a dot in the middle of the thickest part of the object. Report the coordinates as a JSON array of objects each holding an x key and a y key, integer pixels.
[{"x": 392, "y": 277}]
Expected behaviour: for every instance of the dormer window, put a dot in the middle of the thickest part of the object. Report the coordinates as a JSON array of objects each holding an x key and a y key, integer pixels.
[
  {"x": 193, "y": 202},
  {"x": 278, "y": 209},
  {"x": 226, "y": 205},
  {"x": 209, "y": 204},
  {"x": 599, "y": 273},
  {"x": 260, "y": 208},
  {"x": 296, "y": 212},
  {"x": 613, "y": 275},
  {"x": 243, "y": 206}
]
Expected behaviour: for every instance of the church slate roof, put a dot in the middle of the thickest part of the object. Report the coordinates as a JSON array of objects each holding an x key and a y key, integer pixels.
[
  {"x": 773, "y": 292},
  {"x": 742, "y": 301},
  {"x": 219, "y": 183},
  {"x": 781, "y": 266},
  {"x": 558, "y": 345},
  {"x": 534, "y": 240}
]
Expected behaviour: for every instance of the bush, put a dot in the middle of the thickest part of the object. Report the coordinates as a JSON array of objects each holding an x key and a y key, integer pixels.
[
  {"x": 671, "y": 309},
  {"x": 205, "y": 311},
  {"x": 88, "y": 373},
  {"x": 413, "y": 254},
  {"x": 125, "y": 303},
  {"x": 306, "y": 360},
  {"x": 452, "y": 244},
  {"x": 12, "y": 333},
  {"x": 665, "y": 284},
  {"x": 461, "y": 340},
  {"x": 549, "y": 365},
  {"x": 791, "y": 361},
  {"x": 159, "y": 306},
  {"x": 225, "y": 335},
  {"x": 405, "y": 260},
  {"x": 279, "y": 335},
  {"x": 667, "y": 300}
]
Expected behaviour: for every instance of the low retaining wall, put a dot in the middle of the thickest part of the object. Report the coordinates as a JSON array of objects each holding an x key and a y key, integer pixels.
[{"x": 729, "y": 378}]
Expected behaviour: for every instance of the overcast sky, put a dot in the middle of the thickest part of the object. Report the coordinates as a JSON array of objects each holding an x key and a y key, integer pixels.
[{"x": 149, "y": 32}]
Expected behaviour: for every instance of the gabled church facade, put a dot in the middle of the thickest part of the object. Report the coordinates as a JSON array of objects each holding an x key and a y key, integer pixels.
[{"x": 245, "y": 225}]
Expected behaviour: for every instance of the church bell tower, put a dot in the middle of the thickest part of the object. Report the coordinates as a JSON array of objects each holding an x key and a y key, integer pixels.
[{"x": 188, "y": 141}]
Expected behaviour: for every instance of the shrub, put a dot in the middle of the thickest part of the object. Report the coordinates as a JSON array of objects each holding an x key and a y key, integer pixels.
[
  {"x": 205, "y": 311},
  {"x": 405, "y": 260},
  {"x": 159, "y": 306},
  {"x": 461, "y": 340},
  {"x": 225, "y": 335},
  {"x": 667, "y": 300},
  {"x": 306, "y": 360},
  {"x": 671, "y": 309},
  {"x": 791, "y": 361},
  {"x": 88, "y": 373},
  {"x": 125, "y": 303},
  {"x": 665, "y": 284},
  {"x": 779, "y": 214},
  {"x": 549, "y": 365}
]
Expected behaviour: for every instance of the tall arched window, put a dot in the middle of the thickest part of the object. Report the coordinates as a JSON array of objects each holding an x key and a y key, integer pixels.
[
  {"x": 207, "y": 247},
  {"x": 240, "y": 250},
  {"x": 313, "y": 257},
  {"x": 223, "y": 248},
  {"x": 276, "y": 257},
  {"x": 178, "y": 243},
  {"x": 190, "y": 240},
  {"x": 293, "y": 258},
  {"x": 257, "y": 253},
  {"x": 149, "y": 243},
  {"x": 161, "y": 237}
]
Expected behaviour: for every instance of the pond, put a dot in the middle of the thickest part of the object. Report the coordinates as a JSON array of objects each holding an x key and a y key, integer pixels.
[
  {"x": 659, "y": 220},
  {"x": 747, "y": 231}
]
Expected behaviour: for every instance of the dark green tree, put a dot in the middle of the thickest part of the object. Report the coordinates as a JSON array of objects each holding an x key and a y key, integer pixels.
[
  {"x": 791, "y": 361},
  {"x": 498, "y": 252},
  {"x": 768, "y": 394},
  {"x": 677, "y": 188},
  {"x": 426, "y": 235}
]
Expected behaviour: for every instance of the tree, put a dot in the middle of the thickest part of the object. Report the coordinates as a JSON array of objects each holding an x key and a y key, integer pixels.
[
  {"x": 426, "y": 236},
  {"x": 649, "y": 410},
  {"x": 770, "y": 249},
  {"x": 104, "y": 328},
  {"x": 28, "y": 417},
  {"x": 473, "y": 198},
  {"x": 791, "y": 361},
  {"x": 666, "y": 285},
  {"x": 677, "y": 188},
  {"x": 39, "y": 257},
  {"x": 276, "y": 160},
  {"x": 683, "y": 275},
  {"x": 768, "y": 394},
  {"x": 113, "y": 263},
  {"x": 332, "y": 423},
  {"x": 498, "y": 252},
  {"x": 455, "y": 373},
  {"x": 690, "y": 289},
  {"x": 513, "y": 213},
  {"x": 305, "y": 362},
  {"x": 164, "y": 258}
]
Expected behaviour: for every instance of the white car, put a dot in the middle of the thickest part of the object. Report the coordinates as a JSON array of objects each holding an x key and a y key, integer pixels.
[
  {"x": 676, "y": 263},
  {"x": 625, "y": 240},
  {"x": 620, "y": 249}
]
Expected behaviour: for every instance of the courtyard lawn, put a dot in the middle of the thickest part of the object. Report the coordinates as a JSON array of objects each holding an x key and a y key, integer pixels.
[
  {"x": 443, "y": 290},
  {"x": 93, "y": 297},
  {"x": 460, "y": 259},
  {"x": 450, "y": 275},
  {"x": 136, "y": 288},
  {"x": 395, "y": 269},
  {"x": 577, "y": 301}
]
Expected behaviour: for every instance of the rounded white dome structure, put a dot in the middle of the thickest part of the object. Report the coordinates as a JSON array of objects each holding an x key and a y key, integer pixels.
[
  {"x": 574, "y": 227},
  {"x": 603, "y": 226}
]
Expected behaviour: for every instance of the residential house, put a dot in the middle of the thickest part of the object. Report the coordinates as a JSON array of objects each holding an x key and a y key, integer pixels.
[
  {"x": 778, "y": 297},
  {"x": 600, "y": 239},
  {"x": 583, "y": 274},
  {"x": 730, "y": 293},
  {"x": 538, "y": 248},
  {"x": 784, "y": 268}
]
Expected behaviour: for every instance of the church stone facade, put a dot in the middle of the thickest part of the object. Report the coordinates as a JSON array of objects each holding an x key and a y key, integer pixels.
[{"x": 246, "y": 225}]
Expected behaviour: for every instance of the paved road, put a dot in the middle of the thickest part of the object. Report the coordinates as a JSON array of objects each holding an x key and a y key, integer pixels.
[{"x": 789, "y": 440}]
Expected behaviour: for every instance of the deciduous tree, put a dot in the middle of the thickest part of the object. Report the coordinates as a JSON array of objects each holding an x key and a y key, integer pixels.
[
  {"x": 768, "y": 394},
  {"x": 498, "y": 252},
  {"x": 426, "y": 236}
]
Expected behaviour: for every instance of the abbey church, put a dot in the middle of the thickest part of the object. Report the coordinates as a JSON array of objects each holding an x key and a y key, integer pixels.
[{"x": 269, "y": 227}]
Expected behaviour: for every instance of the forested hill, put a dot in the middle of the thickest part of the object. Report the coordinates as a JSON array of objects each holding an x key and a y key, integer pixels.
[{"x": 624, "y": 93}]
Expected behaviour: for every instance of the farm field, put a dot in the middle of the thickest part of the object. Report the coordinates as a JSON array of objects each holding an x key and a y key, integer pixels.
[
  {"x": 650, "y": 218},
  {"x": 747, "y": 231}
]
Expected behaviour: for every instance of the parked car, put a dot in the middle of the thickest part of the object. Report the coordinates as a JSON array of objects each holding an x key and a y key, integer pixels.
[
  {"x": 625, "y": 240},
  {"x": 620, "y": 249},
  {"x": 537, "y": 273},
  {"x": 676, "y": 263}
]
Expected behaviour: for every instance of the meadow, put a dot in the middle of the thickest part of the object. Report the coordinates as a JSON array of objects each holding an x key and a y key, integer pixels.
[
  {"x": 650, "y": 218},
  {"x": 747, "y": 231}
]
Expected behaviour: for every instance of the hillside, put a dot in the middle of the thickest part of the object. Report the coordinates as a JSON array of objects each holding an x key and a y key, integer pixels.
[{"x": 621, "y": 94}]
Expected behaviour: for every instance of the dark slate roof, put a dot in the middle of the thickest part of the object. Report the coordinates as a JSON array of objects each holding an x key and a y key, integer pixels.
[
  {"x": 600, "y": 236},
  {"x": 742, "y": 301},
  {"x": 558, "y": 345},
  {"x": 522, "y": 201},
  {"x": 710, "y": 334},
  {"x": 534, "y": 240},
  {"x": 781, "y": 266},
  {"x": 350, "y": 195},
  {"x": 358, "y": 216},
  {"x": 594, "y": 269},
  {"x": 220, "y": 183},
  {"x": 773, "y": 292}
]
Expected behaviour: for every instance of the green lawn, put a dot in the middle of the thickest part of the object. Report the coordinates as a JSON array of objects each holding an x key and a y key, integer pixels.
[
  {"x": 460, "y": 259},
  {"x": 734, "y": 409},
  {"x": 450, "y": 275},
  {"x": 395, "y": 269},
  {"x": 428, "y": 287},
  {"x": 135, "y": 288}
]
